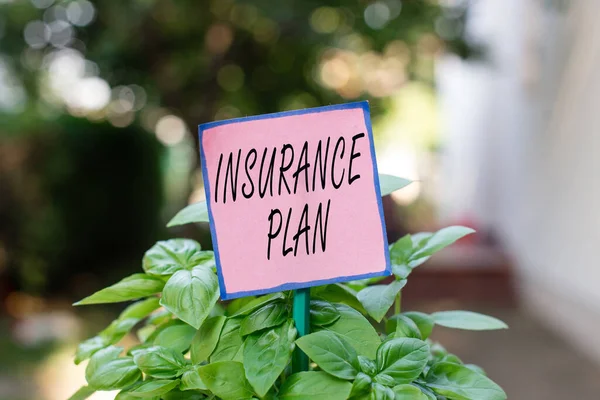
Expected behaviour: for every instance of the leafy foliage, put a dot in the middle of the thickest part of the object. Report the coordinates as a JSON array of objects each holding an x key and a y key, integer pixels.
[
  {"x": 332, "y": 353},
  {"x": 190, "y": 295},
  {"x": 467, "y": 320},
  {"x": 314, "y": 386},
  {"x": 131, "y": 288},
  {"x": 194, "y": 347}
]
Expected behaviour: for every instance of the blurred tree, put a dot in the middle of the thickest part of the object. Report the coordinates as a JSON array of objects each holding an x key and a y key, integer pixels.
[
  {"x": 165, "y": 66},
  {"x": 78, "y": 197},
  {"x": 222, "y": 58}
]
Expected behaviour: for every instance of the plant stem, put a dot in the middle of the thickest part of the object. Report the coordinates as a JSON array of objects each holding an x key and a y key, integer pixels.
[{"x": 398, "y": 303}]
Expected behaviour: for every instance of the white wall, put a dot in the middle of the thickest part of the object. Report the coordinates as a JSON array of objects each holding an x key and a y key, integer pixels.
[{"x": 523, "y": 151}]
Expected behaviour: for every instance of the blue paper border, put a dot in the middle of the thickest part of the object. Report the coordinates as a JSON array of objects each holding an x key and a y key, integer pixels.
[{"x": 364, "y": 105}]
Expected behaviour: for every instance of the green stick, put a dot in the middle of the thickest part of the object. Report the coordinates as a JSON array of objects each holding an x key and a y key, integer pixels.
[{"x": 301, "y": 313}]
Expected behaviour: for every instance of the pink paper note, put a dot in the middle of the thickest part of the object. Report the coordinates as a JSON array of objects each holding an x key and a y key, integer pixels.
[{"x": 294, "y": 199}]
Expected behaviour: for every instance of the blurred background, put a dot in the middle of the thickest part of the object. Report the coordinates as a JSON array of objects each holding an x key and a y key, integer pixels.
[{"x": 490, "y": 105}]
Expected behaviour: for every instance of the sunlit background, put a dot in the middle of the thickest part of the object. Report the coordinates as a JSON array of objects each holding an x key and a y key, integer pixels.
[{"x": 490, "y": 106}]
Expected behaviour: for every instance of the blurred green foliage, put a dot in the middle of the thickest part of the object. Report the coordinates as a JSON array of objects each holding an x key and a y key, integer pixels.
[{"x": 86, "y": 196}]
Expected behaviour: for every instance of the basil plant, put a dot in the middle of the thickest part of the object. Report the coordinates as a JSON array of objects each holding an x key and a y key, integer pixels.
[{"x": 192, "y": 346}]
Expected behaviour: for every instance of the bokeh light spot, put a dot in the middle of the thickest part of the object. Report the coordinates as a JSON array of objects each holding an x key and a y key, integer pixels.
[
  {"x": 41, "y": 4},
  {"x": 55, "y": 13},
  {"x": 335, "y": 73},
  {"x": 170, "y": 130},
  {"x": 218, "y": 38},
  {"x": 89, "y": 94},
  {"x": 121, "y": 120},
  {"x": 377, "y": 15},
  {"x": 325, "y": 20},
  {"x": 140, "y": 97},
  {"x": 395, "y": 7},
  {"x": 81, "y": 12},
  {"x": 37, "y": 34},
  {"x": 123, "y": 99},
  {"x": 61, "y": 33}
]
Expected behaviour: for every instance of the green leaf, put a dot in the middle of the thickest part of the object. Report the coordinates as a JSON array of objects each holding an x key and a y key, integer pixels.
[
  {"x": 378, "y": 299},
  {"x": 367, "y": 366},
  {"x": 218, "y": 310},
  {"x": 236, "y": 305},
  {"x": 124, "y": 395},
  {"x": 131, "y": 288},
  {"x": 429, "y": 395},
  {"x": 190, "y": 380},
  {"x": 437, "y": 351},
  {"x": 401, "y": 271},
  {"x": 391, "y": 183},
  {"x": 118, "y": 329},
  {"x": 381, "y": 392},
  {"x": 158, "y": 329},
  {"x": 451, "y": 358},
  {"x": 408, "y": 392},
  {"x": 177, "y": 394},
  {"x": 177, "y": 337},
  {"x": 271, "y": 315},
  {"x": 266, "y": 354},
  {"x": 458, "y": 382},
  {"x": 169, "y": 256},
  {"x": 229, "y": 346},
  {"x": 197, "y": 212},
  {"x": 159, "y": 362},
  {"x": 356, "y": 330},
  {"x": 87, "y": 348},
  {"x": 107, "y": 371},
  {"x": 313, "y": 385},
  {"x": 476, "y": 368},
  {"x": 257, "y": 303},
  {"x": 467, "y": 320},
  {"x": 384, "y": 380},
  {"x": 442, "y": 238},
  {"x": 405, "y": 327},
  {"x": 136, "y": 347},
  {"x": 402, "y": 358},
  {"x": 323, "y": 313},
  {"x": 423, "y": 321},
  {"x": 140, "y": 309},
  {"x": 160, "y": 317},
  {"x": 331, "y": 353},
  {"x": 144, "y": 333},
  {"x": 360, "y": 284},
  {"x": 153, "y": 388},
  {"x": 338, "y": 293},
  {"x": 226, "y": 379},
  {"x": 361, "y": 385},
  {"x": 83, "y": 393},
  {"x": 401, "y": 250},
  {"x": 190, "y": 295},
  {"x": 206, "y": 339},
  {"x": 407, "y": 253},
  {"x": 419, "y": 241}
]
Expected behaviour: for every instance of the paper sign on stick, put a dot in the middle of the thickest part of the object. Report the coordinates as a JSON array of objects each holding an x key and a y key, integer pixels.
[{"x": 294, "y": 199}]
